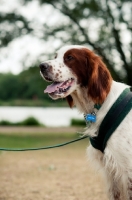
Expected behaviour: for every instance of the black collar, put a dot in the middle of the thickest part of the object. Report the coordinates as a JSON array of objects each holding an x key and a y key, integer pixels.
[{"x": 113, "y": 118}]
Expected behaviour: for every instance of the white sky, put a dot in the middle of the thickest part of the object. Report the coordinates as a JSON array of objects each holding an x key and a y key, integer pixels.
[{"x": 25, "y": 51}]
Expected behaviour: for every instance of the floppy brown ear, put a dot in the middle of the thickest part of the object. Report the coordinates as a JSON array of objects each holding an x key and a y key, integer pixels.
[
  {"x": 99, "y": 78},
  {"x": 70, "y": 101}
]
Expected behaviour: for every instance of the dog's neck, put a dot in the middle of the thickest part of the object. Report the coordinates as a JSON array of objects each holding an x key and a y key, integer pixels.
[
  {"x": 82, "y": 102},
  {"x": 85, "y": 104}
]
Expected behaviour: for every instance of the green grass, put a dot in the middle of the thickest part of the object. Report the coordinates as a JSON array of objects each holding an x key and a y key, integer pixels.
[
  {"x": 78, "y": 122},
  {"x": 34, "y": 103},
  {"x": 30, "y": 141}
]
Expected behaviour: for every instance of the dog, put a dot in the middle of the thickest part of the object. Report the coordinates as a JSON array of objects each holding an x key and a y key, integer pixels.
[{"x": 80, "y": 76}]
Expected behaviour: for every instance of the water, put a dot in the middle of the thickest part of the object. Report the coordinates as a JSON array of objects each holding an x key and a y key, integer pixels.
[{"x": 51, "y": 117}]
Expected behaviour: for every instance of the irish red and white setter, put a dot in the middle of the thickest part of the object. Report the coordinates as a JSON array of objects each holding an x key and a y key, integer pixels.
[{"x": 80, "y": 76}]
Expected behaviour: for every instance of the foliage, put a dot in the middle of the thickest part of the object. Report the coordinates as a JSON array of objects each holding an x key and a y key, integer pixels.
[
  {"x": 25, "y": 88},
  {"x": 104, "y": 26},
  {"x": 12, "y": 25},
  {"x": 77, "y": 122},
  {"x": 6, "y": 123},
  {"x": 18, "y": 140},
  {"x": 31, "y": 121}
]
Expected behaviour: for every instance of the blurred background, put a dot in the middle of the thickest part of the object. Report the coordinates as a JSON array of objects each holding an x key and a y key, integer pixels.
[{"x": 30, "y": 32}]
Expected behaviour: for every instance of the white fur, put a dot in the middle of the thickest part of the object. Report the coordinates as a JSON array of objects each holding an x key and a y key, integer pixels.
[{"x": 116, "y": 163}]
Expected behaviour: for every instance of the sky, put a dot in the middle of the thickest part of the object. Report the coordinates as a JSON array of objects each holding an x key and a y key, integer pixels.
[
  {"x": 29, "y": 50},
  {"x": 25, "y": 51}
]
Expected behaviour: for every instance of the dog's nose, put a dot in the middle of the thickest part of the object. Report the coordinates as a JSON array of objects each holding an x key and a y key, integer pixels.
[{"x": 44, "y": 66}]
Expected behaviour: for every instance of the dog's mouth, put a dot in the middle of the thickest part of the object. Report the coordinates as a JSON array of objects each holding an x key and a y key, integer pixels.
[{"x": 58, "y": 88}]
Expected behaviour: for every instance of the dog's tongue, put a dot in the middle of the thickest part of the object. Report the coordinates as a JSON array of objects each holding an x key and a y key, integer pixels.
[{"x": 52, "y": 88}]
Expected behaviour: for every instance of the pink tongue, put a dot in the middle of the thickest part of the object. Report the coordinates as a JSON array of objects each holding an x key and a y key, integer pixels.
[{"x": 52, "y": 88}]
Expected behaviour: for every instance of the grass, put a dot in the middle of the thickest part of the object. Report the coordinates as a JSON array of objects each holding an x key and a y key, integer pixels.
[
  {"x": 34, "y": 103},
  {"x": 61, "y": 173},
  {"x": 35, "y": 140},
  {"x": 78, "y": 122}
]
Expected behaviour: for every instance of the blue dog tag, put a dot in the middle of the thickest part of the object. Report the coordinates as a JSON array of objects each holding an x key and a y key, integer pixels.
[{"x": 90, "y": 117}]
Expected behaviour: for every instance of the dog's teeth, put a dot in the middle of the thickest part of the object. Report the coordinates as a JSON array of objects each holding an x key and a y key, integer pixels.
[{"x": 60, "y": 90}]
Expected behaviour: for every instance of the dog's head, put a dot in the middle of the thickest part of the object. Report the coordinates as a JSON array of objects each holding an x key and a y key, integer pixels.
[{"x": 75, "y": 67}]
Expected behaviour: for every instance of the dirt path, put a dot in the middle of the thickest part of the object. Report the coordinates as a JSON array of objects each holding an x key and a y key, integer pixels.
[
  {"x": 31, "y": 130},
  {"x": 60, "y": 174}
]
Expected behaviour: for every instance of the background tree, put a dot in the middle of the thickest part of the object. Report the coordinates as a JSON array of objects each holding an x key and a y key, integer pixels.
[
  {"x": 104, "y": 26},
  {"x": 25, "y": 89}
]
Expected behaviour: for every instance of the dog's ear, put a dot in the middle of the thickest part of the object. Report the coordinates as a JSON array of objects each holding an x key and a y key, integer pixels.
[
  {"x": 70, "y": 101},
  {"x": 99, "y": 77}
]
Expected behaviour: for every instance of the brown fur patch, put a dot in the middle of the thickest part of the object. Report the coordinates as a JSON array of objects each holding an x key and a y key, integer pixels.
[
  {"x": 70, "y": 101},
  {"x": 91, "y": 72}
]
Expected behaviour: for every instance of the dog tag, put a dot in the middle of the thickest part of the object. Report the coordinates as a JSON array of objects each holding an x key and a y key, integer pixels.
[{"x": 90, "y": 117}]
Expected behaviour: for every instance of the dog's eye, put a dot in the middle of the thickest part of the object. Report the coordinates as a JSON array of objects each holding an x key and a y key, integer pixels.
[{"x": 69, "y": 57}]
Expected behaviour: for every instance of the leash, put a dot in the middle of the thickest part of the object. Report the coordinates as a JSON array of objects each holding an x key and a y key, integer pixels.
[
  {"x": 99, "y": 142},
  {"x": 42, "y": 148}
]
